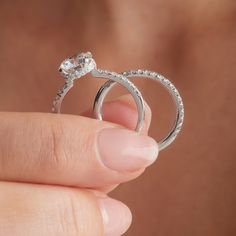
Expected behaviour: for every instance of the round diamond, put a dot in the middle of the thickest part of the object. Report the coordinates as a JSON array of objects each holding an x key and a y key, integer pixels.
[{"x": 77, "y": 66}]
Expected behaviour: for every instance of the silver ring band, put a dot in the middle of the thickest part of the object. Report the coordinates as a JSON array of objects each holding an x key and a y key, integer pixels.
[{"x": 170, "y": 137}]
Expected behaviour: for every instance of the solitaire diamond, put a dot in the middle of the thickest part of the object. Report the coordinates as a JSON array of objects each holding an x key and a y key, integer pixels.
[{"x": 77, "y": 66}]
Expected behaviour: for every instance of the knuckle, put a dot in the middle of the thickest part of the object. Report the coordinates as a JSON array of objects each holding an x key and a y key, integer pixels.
[
  {"x": 57, "y": 148},
  {"x": 68, "y": 216},
  {"x": 77, "y": 215},
  {"x": 55, "y": 153}
]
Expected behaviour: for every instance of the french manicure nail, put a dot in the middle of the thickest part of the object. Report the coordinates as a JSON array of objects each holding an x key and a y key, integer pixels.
[
  {"x": 126, "y": 150},
  {"x": 115, "y": 215}
]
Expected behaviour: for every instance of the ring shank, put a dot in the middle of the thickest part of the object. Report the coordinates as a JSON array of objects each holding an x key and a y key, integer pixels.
[{"x": 56, "y": 108}]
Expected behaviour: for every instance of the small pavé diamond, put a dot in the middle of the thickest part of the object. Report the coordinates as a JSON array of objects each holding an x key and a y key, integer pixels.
[{"x": 140, "y": 72}]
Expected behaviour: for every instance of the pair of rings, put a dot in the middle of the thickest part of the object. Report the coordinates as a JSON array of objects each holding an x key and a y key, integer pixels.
[{"x": 81, "y": 64}]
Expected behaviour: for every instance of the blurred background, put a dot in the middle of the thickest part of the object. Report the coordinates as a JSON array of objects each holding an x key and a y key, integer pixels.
[{"x": 191, "y": 189}]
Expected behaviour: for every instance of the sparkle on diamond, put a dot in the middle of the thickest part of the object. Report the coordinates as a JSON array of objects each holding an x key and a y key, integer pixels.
[{"x": 77, "y": 65}]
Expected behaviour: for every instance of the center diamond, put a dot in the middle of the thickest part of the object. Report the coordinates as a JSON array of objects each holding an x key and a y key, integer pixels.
[{"x": 77, "y": 66}]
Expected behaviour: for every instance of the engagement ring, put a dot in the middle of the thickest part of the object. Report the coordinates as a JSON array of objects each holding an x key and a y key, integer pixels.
[{"x": 81, "y": 64}]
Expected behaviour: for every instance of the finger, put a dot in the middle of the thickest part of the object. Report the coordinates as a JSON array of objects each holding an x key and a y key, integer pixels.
[
  {"x": 123, "y": 111},
  {"x": 126, "y": 106},
  {"x": 28, "y": 209},
  {"x": 70, "y": 150}
]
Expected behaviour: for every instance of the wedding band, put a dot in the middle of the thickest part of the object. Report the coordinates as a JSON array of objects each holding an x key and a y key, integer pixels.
[
  {"x": 170, "y": 137},
  {"x": 81, "y": 64}
]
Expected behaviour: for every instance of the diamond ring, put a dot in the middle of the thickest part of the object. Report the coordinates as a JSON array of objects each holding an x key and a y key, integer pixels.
[
  {"x": 81, "y": 64},
  {"x": 170, "y": 137}
]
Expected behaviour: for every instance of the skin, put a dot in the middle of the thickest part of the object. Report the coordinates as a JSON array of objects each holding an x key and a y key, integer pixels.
[{"x": 191, "y": 187}]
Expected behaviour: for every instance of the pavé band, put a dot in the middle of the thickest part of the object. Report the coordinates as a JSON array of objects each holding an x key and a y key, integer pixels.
[{"x": 170, "y": 137}]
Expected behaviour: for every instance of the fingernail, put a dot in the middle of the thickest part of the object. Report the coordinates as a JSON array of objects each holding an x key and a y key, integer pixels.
[
  {"x": 116, "y": 216},
  {"x": 126, "y": 150}
]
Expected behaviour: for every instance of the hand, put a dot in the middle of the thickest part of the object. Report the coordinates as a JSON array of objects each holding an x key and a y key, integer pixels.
[{"x": 66, "y": 164}]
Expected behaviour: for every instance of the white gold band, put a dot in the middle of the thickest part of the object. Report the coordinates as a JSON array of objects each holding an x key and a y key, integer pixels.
[{"x": 170, "y": 137}]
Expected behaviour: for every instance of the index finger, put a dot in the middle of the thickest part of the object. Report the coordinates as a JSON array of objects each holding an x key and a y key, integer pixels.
[{"x": 70, "y": 150}]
